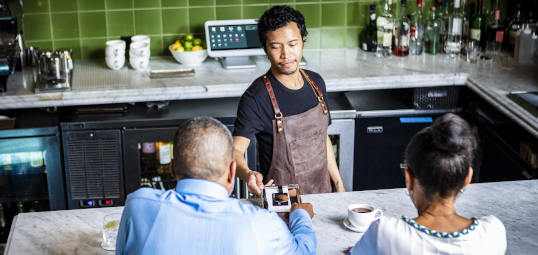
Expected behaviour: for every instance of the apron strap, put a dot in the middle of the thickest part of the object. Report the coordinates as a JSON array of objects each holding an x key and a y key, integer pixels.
[
  {"x": 278, "y": 114},
  {"x": 317, "y": 91}
]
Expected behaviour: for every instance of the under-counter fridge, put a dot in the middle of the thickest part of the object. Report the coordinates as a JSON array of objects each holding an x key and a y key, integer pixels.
[
  {"x": 386, "y": 121},
  {"x": 31, "y": 177},
  {"x": 109, "y": 156}
]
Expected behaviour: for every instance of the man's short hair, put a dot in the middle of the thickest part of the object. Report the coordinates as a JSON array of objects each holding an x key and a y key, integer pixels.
[
  {"x": 203, "y": 149},
  {"x": 277, "y": 17}
]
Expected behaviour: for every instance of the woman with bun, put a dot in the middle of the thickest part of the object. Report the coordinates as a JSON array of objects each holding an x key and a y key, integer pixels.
[{"x": 439, "y": 160}]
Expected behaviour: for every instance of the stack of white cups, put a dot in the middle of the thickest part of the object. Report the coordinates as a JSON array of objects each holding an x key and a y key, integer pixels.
[
  {"x": 139, "y": 52},
  {"x": 115, "y": 54}
]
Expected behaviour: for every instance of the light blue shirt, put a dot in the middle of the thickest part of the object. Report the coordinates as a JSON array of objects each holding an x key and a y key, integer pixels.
[{"x": 199, "y": 217}]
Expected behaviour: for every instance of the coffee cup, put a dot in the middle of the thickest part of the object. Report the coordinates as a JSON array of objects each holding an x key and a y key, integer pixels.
[
  {"x": 140, "y": 48},
  {"x": 115, "y": 63},
  {"x": 138, "y": 63},
  {"x": 140, "y": 38},
  {"x": 114, "y": 52},
  {"x": 362, "y": 215},
  {"x": 115, "y": 45},
  {"x": 146, "y": 53}
]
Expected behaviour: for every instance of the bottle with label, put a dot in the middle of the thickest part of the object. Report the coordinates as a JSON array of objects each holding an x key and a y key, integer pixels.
[
  {"x": 478, "y": 26},
  {"x": 453, "y": 43},
  {"x": 417, "y": 31},
  {"x": 368, "y": 37},
  {"x": 431, "y": 33},
  {"x": 465, "y": 29},
  {"x": 444, "y": 16},
  {"x": 403, "y": 28},
  {"x": 513, "y": 25},
  {"x": 164, "y": 157},
  {"x": 384, "y": 30},
  {"x": 148, "y": 161},
  {"x": 495, "y": 30}
]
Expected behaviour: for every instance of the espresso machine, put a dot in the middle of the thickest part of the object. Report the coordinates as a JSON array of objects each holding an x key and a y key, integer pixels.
[
  {"x": 11, "y": 40},
  {"x": 54, "y": 71}
]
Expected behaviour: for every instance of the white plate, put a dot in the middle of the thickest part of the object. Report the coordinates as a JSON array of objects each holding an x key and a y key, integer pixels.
[{"x": 350, "y": 226}]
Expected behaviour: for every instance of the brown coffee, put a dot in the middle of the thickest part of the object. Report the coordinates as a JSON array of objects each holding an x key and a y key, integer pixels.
[{"x": 361, "y": 210}]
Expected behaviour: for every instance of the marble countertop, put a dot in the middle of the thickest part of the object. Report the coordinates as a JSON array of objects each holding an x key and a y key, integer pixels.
[
  {"x": 514, "y": 203},
  {"x": 342, "y": 70}
]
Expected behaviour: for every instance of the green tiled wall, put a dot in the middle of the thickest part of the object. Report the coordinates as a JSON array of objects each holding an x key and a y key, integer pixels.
[{"x": 85, "y": 25}]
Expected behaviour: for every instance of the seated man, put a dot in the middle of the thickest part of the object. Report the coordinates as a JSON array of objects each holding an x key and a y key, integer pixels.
[{"x": 199, "y": 217}]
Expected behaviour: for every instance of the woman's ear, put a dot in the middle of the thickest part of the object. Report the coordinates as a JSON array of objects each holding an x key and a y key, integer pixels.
[
  {"x": 409, "y": 180},
  {"x": 469, "y": 177}
]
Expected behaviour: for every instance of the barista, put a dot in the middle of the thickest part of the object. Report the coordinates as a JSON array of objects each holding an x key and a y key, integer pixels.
[{"x": 286, "y": 110}]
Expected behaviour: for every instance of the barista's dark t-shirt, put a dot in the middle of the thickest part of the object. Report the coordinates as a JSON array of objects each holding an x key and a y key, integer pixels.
[{"x": 255, "y": 112}]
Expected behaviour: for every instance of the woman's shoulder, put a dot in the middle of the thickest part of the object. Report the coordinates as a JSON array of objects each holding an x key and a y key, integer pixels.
[{"x": 493, "y": 226}]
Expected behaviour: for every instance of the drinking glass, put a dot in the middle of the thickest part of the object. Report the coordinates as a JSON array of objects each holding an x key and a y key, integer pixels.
[
  {"x": 111, "y": 225},
  {"x": 493, "y": 49},
  {"x": 473, "y": 51}
]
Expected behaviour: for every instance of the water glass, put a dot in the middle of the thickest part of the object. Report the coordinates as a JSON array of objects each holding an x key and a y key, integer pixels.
[
  {"x": 111, "y": 225},
  {"x": 493, "y": 49},
  {"x": 473, "y": 51}
]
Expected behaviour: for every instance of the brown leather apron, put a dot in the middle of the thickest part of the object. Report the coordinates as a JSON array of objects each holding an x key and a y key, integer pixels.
[{"x": 300, "y": 145}]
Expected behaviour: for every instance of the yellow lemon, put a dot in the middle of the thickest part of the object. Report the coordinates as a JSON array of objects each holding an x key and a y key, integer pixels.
[
  {"x": 180, "y": 49},
  {"x": 195, "y": 48},
  {"x": 112, "y": 224}
]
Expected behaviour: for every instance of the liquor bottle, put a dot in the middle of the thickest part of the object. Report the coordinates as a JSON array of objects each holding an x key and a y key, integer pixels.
[
  {"x": 164, "y": 157},
  {"x": 401, "y": 48},
  {"x": 514, "y": 24},
  {"x": 384, "y": 30},
  {"x": 466, "y": 22},
  {"x": 444, "y": 16},
  {"x": 417, "y": 31},
  {"x": 495, "y": 30},
  {"x": 431, "y": 33},
  {"x": 478, "y": 25},
  {"x": 148, "y": 158},
  {"x": 368, "y": 35},
  {"x": 472, "y": 12},
  {"x": 455, "y": 24}
]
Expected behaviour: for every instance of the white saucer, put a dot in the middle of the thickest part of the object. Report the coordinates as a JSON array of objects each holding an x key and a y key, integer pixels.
[{"x": 350, "y": 226}]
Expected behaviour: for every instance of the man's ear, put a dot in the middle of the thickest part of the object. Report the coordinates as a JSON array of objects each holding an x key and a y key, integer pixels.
[
  {"x": 172, "y": 172},
  {"x": 231, "y": 171}
]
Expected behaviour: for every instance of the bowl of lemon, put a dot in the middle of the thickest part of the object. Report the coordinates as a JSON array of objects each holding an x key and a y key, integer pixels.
[{"x": 189, "y": 50}]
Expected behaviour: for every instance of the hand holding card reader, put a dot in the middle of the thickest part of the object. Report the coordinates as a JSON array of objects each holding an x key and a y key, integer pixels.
[{"x": 280, "y": 198}]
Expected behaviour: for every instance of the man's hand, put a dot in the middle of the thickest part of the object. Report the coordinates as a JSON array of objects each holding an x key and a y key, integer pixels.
[
  {"x": 305, "y": 206},
  {"x": 255, "y": 183}
]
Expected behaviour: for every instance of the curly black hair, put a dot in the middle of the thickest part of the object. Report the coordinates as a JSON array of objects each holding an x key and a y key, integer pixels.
[{"x": 280, "y": 16}]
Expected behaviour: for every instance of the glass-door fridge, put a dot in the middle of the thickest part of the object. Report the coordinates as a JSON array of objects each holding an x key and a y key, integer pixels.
[
  {"x": 30, "y": 169},
  {"x": 148, "y": 152}
]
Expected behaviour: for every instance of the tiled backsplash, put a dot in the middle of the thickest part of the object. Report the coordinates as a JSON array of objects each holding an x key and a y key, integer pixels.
[{"x": 85, "y": 25}]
